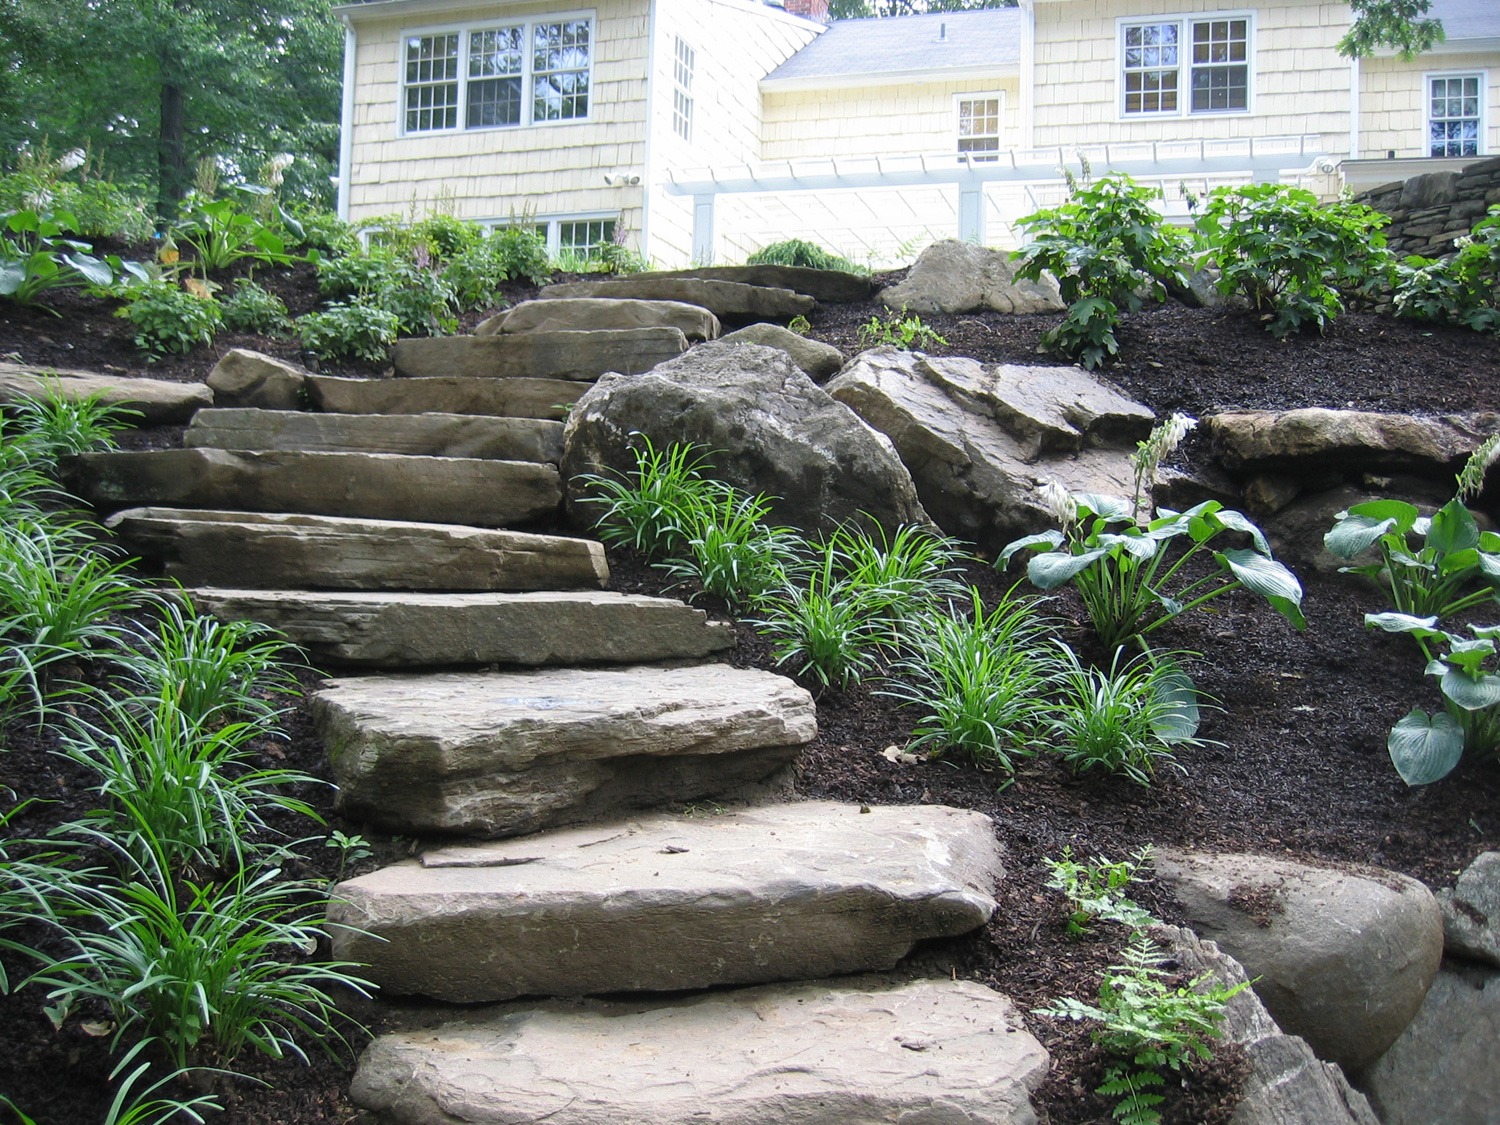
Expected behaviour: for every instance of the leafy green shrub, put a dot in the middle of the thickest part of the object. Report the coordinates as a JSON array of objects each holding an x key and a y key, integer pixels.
[
  {"x": 617, "y": 258},
  {"x": 1461, "y": 289},
  {"x": 37, "y": 256},
  {"x": 981, "y": 679},
  {"x": 1282, "y": 250},
  {"x": 1110, "y": 251},
  {"x": 1128, "y": 719},
  {"x": 349, "y": 328},
  {"x": 323, "y": 231},
  {"x": 421, "y": 299},
  {"x": 1095, "y": 889},
  {"x": 1151, "y": 1023},
  {"x": 444, "y": 236},
  {"x": 799, "y": 252},
  {"x": 899, "y": 330},
  {"x": 253, "y": 309},
  {"x": 107, "y": 210},
  {"x": 169, "y": 320},
  {"x": 355, "y": 275}
]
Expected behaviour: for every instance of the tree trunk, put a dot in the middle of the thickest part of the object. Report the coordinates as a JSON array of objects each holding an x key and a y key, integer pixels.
[{"x": 171, "y": 153}]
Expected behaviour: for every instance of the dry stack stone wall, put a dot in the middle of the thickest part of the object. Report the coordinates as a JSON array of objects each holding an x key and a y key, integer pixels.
[{"x": 1429, "y": 212}]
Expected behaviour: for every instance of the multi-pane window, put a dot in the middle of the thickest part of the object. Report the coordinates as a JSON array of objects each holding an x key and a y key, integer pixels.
[
  {"x": 513, "y": 74},
  {"x": 979, "y": 128},
  {"x": 682, "y": 91},
  {"x": 584, "y": 237},
  {"x": 1453, "y": 115},
  {"x": 1208, "y": 58}
]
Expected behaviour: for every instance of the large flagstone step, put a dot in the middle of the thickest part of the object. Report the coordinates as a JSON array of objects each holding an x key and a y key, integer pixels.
[
  {"x": 497, "y": 754},
  {"x": 388, "y": 486},
  {"x": 589, "y": 314},
  {"x": 155, "y": 401},
  {"x": 732, "y": 302},
  {"x": 428, "y": 630},
  {"x": 861, "y": 1050},
  {"x": 670, "y": 902},
  {"x": 419, "y": 435},
  {"x": 831, "y": 286},
  {"x": 538, "y": 355},
  {"x": 451, "y": 394},
  {"x": 290, "y": 551}
]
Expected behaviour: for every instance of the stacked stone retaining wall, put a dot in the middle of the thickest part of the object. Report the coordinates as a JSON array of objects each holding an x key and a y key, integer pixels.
[{"x": 1429, "y": 212}]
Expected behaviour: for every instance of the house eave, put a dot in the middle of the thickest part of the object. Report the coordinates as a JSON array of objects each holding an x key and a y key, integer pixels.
[
  {"x": 888, "y": 78},
  {"x": 1473, "y": 46},
  {"x": 386, "y": 9}
]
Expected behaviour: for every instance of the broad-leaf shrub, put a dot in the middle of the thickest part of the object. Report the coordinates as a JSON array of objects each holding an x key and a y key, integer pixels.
[
  {"x": 38, "y": 256},
  {"x": 1461, "y": 289},
  {"x": 420, "y": 298},
  {"x": 1111, "y": 252},
  {"x": 169, "y": 320},
  {"x": 1290, "y": 255},
  {"x": 351, "y": 329},
  {"x": 254, "y": 309},
  {"x": 510, "y": 254}
]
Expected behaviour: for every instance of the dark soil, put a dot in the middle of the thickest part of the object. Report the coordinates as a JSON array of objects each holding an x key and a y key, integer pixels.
[{"x": 1297, "y": 766}]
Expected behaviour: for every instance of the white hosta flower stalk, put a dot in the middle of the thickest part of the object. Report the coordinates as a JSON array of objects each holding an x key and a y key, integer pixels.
[
  {"x": 1060, "y": 503},
  {"x": 1162, "y": 442},
  {"x": 1471, "y": 477},
  {"x": 73, "y": 158}
]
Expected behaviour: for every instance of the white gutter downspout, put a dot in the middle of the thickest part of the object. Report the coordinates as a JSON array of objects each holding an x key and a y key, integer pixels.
[
  {"x": 1028, "y": 74},
  {"x": 1354, "y": 109},
  {"x": 346, "y": 120},
  {"x": 648, "y": 181}
]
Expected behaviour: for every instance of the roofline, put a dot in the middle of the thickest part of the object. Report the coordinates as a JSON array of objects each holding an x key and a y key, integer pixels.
[
  {"x": 378, "y": 9},
  {"x": 889, "y": 78}
]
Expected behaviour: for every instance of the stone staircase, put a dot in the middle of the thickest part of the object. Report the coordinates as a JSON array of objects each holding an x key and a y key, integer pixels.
[{"x": 497, "y": 694}]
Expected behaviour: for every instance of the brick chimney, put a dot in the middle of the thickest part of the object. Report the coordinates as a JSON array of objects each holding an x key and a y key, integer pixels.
[{"x": 815, "y": 10}]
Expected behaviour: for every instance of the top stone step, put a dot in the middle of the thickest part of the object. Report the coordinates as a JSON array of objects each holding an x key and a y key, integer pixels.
[
  {"x": 834, "y": 287},
  {"x": 591, "y": 314},
  {"x": 731, "y": 301},
  {"x": 539, "y": 355}
]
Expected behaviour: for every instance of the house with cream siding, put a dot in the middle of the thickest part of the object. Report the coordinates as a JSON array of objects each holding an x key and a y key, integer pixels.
[{"x": 698, "y": 130}]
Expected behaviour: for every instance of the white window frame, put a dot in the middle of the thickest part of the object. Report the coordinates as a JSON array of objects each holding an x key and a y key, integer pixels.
[
  {"x": 1185, "y": 67},
  {"x": 551, "y": 226},
  {"x": 1483, "y": 75},
  {"x": 527, "y": 75},
  {"x": 983, "y": 156},
  {"x": 684, "y": 62}
]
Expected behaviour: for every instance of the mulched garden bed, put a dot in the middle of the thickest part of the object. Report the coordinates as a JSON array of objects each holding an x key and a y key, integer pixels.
[{"x": 1299, "y": 766}]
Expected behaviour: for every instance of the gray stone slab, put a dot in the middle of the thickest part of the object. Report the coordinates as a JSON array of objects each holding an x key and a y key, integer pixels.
[
  {"x": 417, "y": 435},
  {"x": 498, "y": 754},
  {"x": 821, "y": 361},
  {"x": 1350, "y": 441},
  {"x": 515, "y": 398},
  {"x": 423, "y": 630},
  {"x": 933, "y": 1052},
  {"x": 782, "y": 892},
  {"x": 1471, "y": 911},
  {"x": 283, "y": 551},
  {"x": 250, "y": 379},
  {"x": 578, "y": 314},
  {"x": 538, "y": 355},
  {"x": 833, "y": 286},
  {"x": 158, "y": 401},
  {"x": 370, "y": 485},
  {"x": 731, "y": 301}
]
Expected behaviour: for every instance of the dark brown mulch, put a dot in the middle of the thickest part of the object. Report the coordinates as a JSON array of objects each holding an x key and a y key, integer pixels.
[{"x": 1299, "y": 767}]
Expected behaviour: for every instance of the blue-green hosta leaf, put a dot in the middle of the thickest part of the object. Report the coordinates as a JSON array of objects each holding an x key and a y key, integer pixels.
[
  {"x": 1421, "y": 526},
  {"x": 12, "y": 274},
  {"x": 1355, "y": 533},
  {"x": 1405, "y": 515},
  {"x": 1423, "y": 627},
  {"x": 1111, "y": 509},
  {"x": 1489, "y": 542},
  {"x": 1472, "y": 693},
  {"x": 1178, "y": 719},
  {"x": 95, "y": 271},
  {"x": 1491, "y": 631},
  {"x": 1452, "y": 529},
  {"x": 1425, "y": 749},
  {"x": 1456, "y": 562},
  {"x": 1137, "y": 546},
  {"x": 1238, "y": 521},
  {"x": 1489, "y": 566},
  {"x": 1268, "y": 578},
  {"x": 1053, "y": 569},
  {"x": 1049, "y": 539}
]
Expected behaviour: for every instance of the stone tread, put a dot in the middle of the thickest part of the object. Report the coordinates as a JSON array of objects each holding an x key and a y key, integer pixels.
[
  {"x": 502, "y": 753},
  {"x": 427, "y": 630},
  {"x": 156, "y": 401},
  {"x": 731, "y": 301},
  {"x": 452, "y": 394},
  {"x": 666, "y": 902},
  {"x": 934, "y": 1052},
  {"x": 291, "y": 551},
  {"x": 583, "y": 356}
]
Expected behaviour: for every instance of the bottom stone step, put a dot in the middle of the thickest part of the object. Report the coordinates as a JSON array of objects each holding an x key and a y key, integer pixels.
[
  {"x": 392, "y": 630},
  {"x": 853, "y": 1052}
]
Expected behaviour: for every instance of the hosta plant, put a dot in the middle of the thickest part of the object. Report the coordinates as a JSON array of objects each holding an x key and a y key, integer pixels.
[{"x": 38, "y": 256}]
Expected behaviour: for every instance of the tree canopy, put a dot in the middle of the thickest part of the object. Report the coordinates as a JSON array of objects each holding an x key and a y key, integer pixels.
[
  {"x": 153, "y": 86},
  {"x": 1400, "y": 24},
  {"x": 868, "y": 9}
]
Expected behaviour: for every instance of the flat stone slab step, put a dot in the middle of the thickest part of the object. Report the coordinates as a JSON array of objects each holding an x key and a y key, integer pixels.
[
  {"x": 861, "y": 1050},
  {"x": 415, "y": 435},
  {"x": 425, "y": 630},
  {"x": 834, "y": 286},
  {"x": 580, "y": 314},
  {"x": 509, "y": 398},
  {"x": 288, "y": 551},
  {"x": 497, "y": 754},
  {"x": 157, "y": 401},
  {"x": 731, "y": 301},
  {"x": 539, "y": 355},
  {"x": 368, "y": 485},
  {"x": 781, "y": 892}
]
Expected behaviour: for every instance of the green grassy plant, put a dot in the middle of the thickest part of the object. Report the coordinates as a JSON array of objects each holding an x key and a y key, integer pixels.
[
  {"x": 910, "y": 570},
  {"x": 827, "y": 626},
  {"x": 56, "y": 426},
  {"x": 658, "y": 508},
  {"x": 800, "y": 252},
  {"x": 734, "y": 553}
]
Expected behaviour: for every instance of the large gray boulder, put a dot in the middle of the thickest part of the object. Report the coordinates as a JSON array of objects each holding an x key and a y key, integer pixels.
[
  {"x": 959, "y": 277},
  {"x": 1350, "y": 441},
  {"x": 821, "y": 361},
  {"x": 933, "y": 1052},
  {"x": 667, "y": 902},
  {"x": 590, "y": 314},
  {"x": 538, "y": 355},
  {"x": 1344, "y": 958},
  {"x": 980, "y": 441},
  {"x": 1471, "y": 911},
  {"x": 498, "y": 754},
  {"x": 247, "y": 378},
  {"x": 1287, "y": 1083},
  {"x": 453, "y": 394},
  {"x": 156, "y": 401},
  {"x": 766, "y": 425},
  {"x": 731, "y": 301},
  {"x": 1445, "y": 1068}
]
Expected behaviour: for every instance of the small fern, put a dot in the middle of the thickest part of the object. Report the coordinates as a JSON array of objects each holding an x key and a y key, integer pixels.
[{"x": 1137, "y": 1105}]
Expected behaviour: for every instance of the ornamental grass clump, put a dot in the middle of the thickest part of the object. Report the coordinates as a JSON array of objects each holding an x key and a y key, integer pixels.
[{"x": 656, "y": 508}]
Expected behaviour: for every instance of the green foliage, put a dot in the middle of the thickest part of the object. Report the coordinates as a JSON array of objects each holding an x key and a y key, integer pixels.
[
  {"x": 253, "y": 309},
  {"x": 1127, "y": 719},
  {"x": 151, "y": 1104},
  {"x": 659, "y": 507},
  {"x": 349, "y": 328},
  {"x": 1150, "y": 1023},
  {"x": 1095, "y": 889},
  {"x": 733, "y": 553},
  {"x": 56, "y": 426},
  {"x": 617, "y": 258},
  {"x": 37, "y": 257},
  {"x": 1461, "y": 289},
  {"x": 169, "y": 320},
  {"x": 1110, "y": 251},
  {"x": 445, "y": 237},
  {"x": 1284, "y": 251},
  {"x": 477, "y": 273},
  {"x": 1124, "y": 573},
  {"x": 981, "y": 680},
  {"x": 101, "y": 209},
  {"x": 799, "y": 252},
  {"x": 899, "y": 330},
  {"x": 799, "y": 325},
  {"x": 322, "y": 230},
  {"x": 1402, "y": 25},
  {"x": 221, "y": 235},
  {"x": 421, "y": 299}
]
